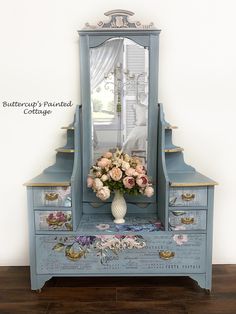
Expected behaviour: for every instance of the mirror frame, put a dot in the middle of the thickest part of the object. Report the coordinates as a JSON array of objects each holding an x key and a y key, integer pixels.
[{"x": 90, "y": 38}]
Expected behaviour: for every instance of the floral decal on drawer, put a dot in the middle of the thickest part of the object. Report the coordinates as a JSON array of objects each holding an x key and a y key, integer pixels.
[
  {"x": 106, "y": 247},
  {"x": 59, "y": 220},
  {"x": 53, "y": 220}
]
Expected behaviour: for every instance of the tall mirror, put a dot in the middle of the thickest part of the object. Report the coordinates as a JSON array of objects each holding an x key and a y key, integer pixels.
[{"x": 119, "y": 97}]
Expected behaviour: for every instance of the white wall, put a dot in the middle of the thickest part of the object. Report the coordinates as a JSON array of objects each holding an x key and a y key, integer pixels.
[{"x": 39, "y": 61}]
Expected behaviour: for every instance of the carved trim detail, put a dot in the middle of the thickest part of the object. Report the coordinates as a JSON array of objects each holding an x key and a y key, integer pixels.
[{"x": 119, "y": 19}]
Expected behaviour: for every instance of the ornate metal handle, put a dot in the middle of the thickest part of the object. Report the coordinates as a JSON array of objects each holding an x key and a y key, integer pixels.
[
  {"x": 166, "y": 254},
  {"x": 51, "y": 196},
  {"x": 187, "y": 220},
  {"x": 188, "y": 197}
]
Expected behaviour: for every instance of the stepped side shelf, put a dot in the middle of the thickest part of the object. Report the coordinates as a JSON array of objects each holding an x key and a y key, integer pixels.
[
  {"x": 173, "y": 150},
  {"x": 190, "y": 179},
  {"x": 170, "y": 127},
  {"x": 68, "y": 127},
  {"x": 51, "y": 179},
  {"x": 65, "y": 150}
]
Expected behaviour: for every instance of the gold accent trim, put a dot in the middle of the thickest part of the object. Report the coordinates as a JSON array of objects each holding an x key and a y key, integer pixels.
[
  {"x": 67, "y": 128},
  {"x": 51, "y": 196},
  {"x": 48, "y": 184},
  {"x": 171, "y": 127},
  {"x": 65, "y": 150},
  {"x": 187, "y": 220},
  {"x": 173, "y": 150},
  {"x": 194, "y": 183},
  {"x": 188, "y": 197},
  {"x": 166, "y": 255}
]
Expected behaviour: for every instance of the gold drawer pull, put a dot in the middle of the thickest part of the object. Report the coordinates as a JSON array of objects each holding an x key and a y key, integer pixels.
[
  {"x": 51, "y": 196},
  {"x": 188, "y": 197},
  {"x": 187, "y": 220},
  {"x": 166, "y": 254}
]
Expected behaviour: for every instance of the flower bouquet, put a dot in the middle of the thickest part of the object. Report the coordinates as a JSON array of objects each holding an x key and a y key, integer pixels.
[{"x": 119, "y": 173}]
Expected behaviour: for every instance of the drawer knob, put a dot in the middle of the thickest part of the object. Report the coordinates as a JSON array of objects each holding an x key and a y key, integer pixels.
[
  {"x": 188, "y": 197},
  {"x": 166, "y": 254},
  {"x": 51, "y": 196},
  {"x": 187, "y": 220}
]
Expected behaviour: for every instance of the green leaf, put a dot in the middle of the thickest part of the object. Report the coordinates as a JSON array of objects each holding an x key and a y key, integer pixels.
[{"x": 58, "y": 247}]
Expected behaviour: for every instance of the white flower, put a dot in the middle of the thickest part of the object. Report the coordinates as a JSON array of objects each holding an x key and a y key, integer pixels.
[
  {"x": 104, "y": 178},
  {"x": 104, "y": 193},
  {"x": 97, "y": 184},
  {"x": 125, "y": 165}
]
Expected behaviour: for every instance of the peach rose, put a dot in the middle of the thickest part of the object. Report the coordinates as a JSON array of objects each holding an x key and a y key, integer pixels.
[
  {"x": 89, "y": 182},
  {"x": 107, "y": 155},
  {"x": 115, "y": 173},
  {"x": 149, "y": 191},
  {"x": 103, "y": 162},
  {"x": 140, "y": 169},
  {"x": 131, "y": 172},
  {"x": 97, "y": 184},
  {"x": 104, "y": 193},
  {"x": 142, "y": 180},
  {"x": 129, "y": 182}
]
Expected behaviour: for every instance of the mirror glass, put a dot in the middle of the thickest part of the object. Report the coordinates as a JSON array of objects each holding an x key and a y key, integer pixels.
[{"x": 119, "y": 97}]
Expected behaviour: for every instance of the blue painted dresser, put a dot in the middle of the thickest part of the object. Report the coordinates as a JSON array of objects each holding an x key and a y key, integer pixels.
[{"x": 72, "y": 232}]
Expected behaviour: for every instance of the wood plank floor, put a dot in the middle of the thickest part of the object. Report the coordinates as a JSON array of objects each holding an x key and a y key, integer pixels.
[{"x": 117, "y": 295}]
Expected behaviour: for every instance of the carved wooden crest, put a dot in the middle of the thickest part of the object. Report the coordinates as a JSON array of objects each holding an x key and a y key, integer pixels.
[{"x": 119, "y": 19}]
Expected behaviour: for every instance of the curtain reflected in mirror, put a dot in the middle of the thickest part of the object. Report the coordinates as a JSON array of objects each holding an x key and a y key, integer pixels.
[{"x": 119, "y": 96}]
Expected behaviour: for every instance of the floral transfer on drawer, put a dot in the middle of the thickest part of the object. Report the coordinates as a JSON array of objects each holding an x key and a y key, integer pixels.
[
  {"x": 107, "y": 247},
  {"x": 187, "y": 220},
  {"x": 121, "y": 254},
  {"x": 183, "y": 196},
  {"x": 53, "y": 196},
  {"x": 53, "y": 220}
]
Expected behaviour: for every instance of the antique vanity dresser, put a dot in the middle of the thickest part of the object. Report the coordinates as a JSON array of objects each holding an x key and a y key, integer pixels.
[{"x": 72, "y": 232}]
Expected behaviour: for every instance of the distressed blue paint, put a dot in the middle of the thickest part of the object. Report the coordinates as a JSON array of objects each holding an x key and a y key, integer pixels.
[{"x": 150, "y": 219}]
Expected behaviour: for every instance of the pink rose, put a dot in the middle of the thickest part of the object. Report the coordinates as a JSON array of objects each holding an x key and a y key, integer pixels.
[
  {"x": 98, "y": 174},
  {"x": 107, "y": 155},
  {"x": 149, "y": 191},
  {"x": 103, "y": 193},
  {"x": 115, "y": 173},
  {"x": 180, "y": 239},
  {"x": 104, "y": 162},
  {"x": 142, "y": 180},
  {"x": 140, "y": 169},
  {"x": 131, "y": 172},
  {"x": 97, "y": 184},
  {"x": 129, "y": 182},
  {"x": 89, "y": 182}
]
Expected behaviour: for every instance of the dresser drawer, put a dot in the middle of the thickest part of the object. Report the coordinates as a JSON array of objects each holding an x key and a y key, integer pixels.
[
  {"x": 184, "y": 196},
  {"x": 165, "y": 253},
  {"x": 187, "y": 220},
  {"x": 53, "y": 220},
  {"x": 52, "y": 196}
]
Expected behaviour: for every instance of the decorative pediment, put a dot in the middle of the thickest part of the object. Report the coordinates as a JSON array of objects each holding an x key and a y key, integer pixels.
[{"x": 119, "y": 19}]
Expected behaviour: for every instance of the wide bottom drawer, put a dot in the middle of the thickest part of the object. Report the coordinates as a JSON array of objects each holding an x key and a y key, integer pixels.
[{"x": 121, "y": 254}]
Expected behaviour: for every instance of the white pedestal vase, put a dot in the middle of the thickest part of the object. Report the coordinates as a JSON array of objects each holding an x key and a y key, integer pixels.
[{"x": 118, "y": 208}]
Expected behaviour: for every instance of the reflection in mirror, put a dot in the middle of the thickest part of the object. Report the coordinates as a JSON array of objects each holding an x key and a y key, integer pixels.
[{"x": 119, "y": 96}]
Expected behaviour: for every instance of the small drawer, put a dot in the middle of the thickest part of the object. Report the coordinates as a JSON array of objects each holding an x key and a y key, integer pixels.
[
  {"x": 184, "y": 196},
  {"x": 53, "y": 220},
  {"x": 53, "y": 196},
  {"x": 187, "y": 220}
]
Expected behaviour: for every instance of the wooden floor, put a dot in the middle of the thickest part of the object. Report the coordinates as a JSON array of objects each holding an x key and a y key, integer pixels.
[{"x": 117, "y": 295}]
